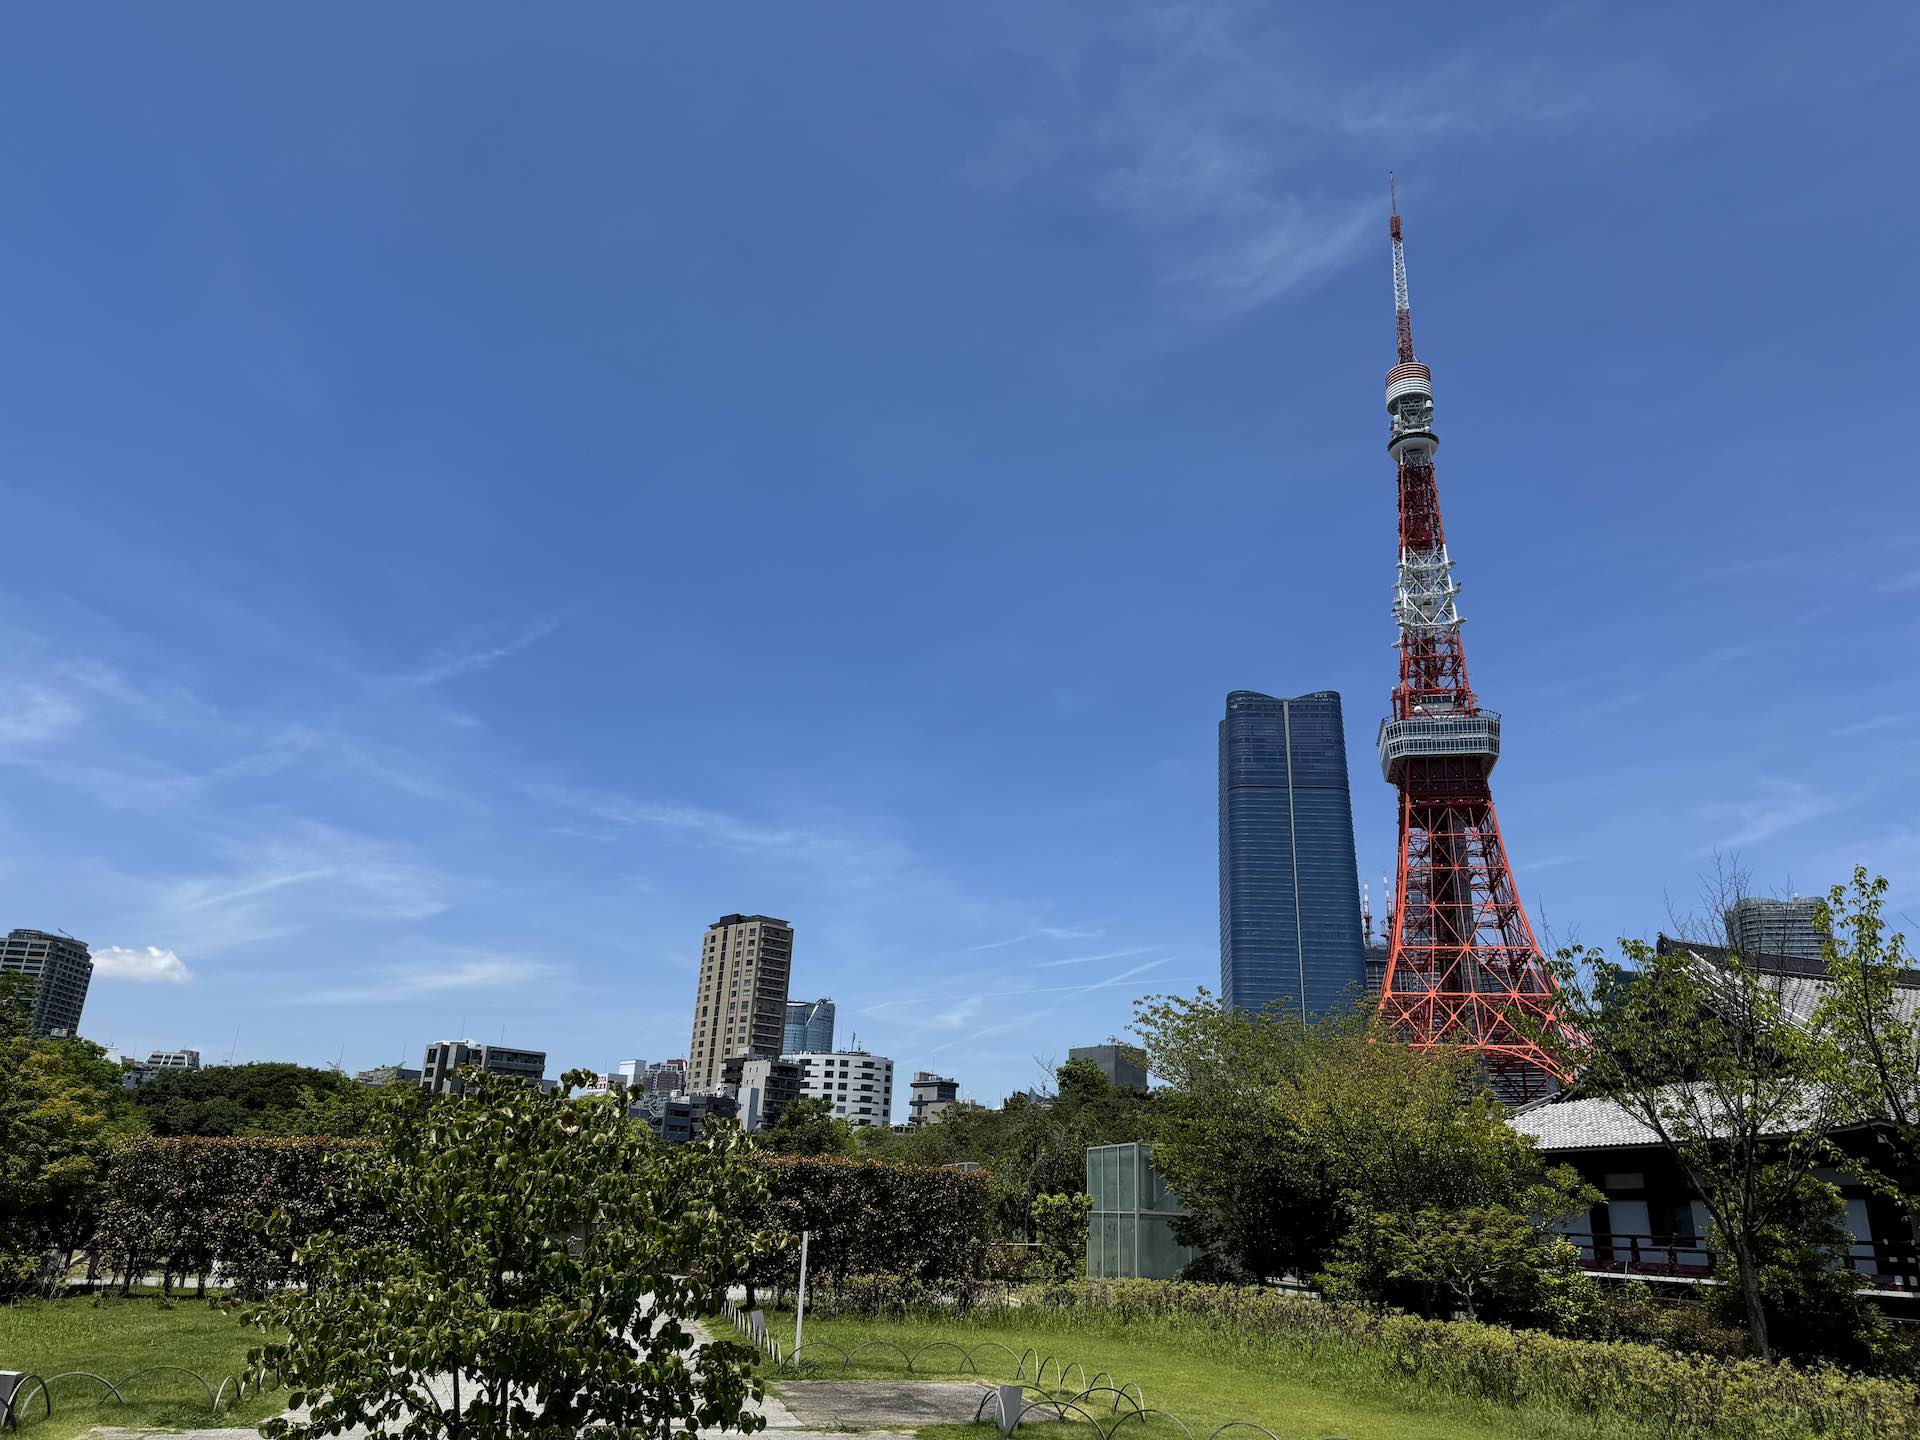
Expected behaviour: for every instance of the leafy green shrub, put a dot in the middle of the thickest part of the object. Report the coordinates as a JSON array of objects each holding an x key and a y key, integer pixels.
[
  {"x": 546, "y": 1254},
  {"x": 927, "y": 1224},
  {"x": 891, "y": 1297},
  {"x": 1060, "y": 1226},
  {"x": 1668, "y": 1395},
  {"x": 190, "y": 1208}
]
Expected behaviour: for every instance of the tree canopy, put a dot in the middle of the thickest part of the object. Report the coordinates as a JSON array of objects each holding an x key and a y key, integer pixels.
[
  {"x": 61, "y": 1107},
  {"x": 268, "y": 1098},
  {"x": 1320, "y": 1150},
  {"x": 543, "y": 1259},
  {"x": 1032, "y": 1146}
]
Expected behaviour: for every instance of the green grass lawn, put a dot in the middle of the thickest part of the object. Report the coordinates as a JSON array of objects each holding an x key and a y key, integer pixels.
[
  {"x": 117, "y": 1339},
  {"x": 1204, "y": 1375}
]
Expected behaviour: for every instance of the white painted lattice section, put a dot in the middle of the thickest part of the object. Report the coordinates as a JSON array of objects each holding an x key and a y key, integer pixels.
[{"x": 1423, "y": 598}]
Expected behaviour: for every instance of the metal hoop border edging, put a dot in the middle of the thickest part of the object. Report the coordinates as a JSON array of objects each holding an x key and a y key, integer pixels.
[
  {"x": 13, "y": 1402},
  {"x": 866, "y": 1345},
  {"x": 1060, "y": 1408},
  {"x": 794, "y": 1362},
  {"x": 965, "y": 1354},
  {"x": 1141, "y": 1416},
  {"x": 988, "y": 1392},
  {"x": 239, "y": 1385},
  {"x": 1118, "y": 1396},
  {"x": 1243, "y": 1425},
  {"x": 974, "y": 1354},
  {"x": 46, "y": 1389},
  {"x": 195, "y": 1375}
]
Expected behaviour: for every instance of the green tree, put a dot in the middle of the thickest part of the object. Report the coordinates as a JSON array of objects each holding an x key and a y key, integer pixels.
[
  {"x": 1496, "y": 1261},
  {"x": 1032, "y": 1145},
  {"x": 1283, "y": 1136},
  {"x": 1816, "y": 1300},
  {"x": 61, "y": 1107},
  {"x": 807, "y": 1126},
  {"x": 270, "y": 1098},
  {"x": 545, "y": 1260},
  {"x": 1060, "y": 1227},
  {"x": 1260, "y": 1204},
  {"x": 1739, "y": 1091},
  {"x": 1875, "y": 1027}
]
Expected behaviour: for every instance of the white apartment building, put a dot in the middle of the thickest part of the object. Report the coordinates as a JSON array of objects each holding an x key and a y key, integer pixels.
[{"x": 859, "y": 1085}]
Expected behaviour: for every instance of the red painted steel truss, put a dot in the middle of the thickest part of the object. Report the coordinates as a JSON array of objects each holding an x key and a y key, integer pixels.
[
  {"x": 1462, "y": 965},
  {"x": 1463, "y": 968}
]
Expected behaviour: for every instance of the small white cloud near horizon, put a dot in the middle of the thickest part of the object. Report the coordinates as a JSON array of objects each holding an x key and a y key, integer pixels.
[{"x": 147, "y": 965}]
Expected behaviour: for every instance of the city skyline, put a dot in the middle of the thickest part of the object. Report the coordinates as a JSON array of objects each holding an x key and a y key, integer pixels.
[{"x": 463, "y": 552}]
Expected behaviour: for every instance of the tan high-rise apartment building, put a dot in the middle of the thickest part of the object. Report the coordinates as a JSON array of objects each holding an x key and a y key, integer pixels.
[{"x": 741, "y": 1005}]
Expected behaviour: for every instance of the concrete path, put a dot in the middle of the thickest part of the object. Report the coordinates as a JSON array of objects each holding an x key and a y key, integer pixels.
[{"x": 858, "y": 1404}]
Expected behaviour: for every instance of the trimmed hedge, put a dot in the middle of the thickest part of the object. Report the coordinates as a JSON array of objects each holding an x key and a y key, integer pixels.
[
  {"x": 923, "y": 1224},
  {"x": 190, "y": 1208},
  {"x": 1670, "y": 1395}
]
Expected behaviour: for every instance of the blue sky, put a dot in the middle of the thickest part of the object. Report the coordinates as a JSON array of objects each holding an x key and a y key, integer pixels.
[{"x": 488, "y": 494}]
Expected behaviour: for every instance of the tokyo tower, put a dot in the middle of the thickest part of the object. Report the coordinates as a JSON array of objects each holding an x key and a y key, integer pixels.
[{"x": 1462, "y": 966}]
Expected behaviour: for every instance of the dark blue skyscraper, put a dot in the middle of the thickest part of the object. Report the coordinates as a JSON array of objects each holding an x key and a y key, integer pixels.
[{"x": 1289, "y": 888}]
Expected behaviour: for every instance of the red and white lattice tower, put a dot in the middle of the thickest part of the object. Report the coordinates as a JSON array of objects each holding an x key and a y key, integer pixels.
[{"x": 1462, "y": 966}]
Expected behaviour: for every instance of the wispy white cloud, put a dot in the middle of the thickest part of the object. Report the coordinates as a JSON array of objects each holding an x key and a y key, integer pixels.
[
  {"x": 1204, "y": 124},
  {"x": 1872, "y": 723},
  {"x": 1043, "y": 932},
  {"x": 287, "y": 879},
  {"x": 201, "y": 894},
  {"x": 165, "y": 702},
  {"x": 977, "y": 1034},
  {"x": 1091, "y": 959},
  {"x": 147, "y": 964},
  {"x": 1554, "y": 862},
  {"x": 480, "y": 649},
  {"x": 31, "y": 715},
  {"x": 1771, "y": 807},
  {"x": 919, "y": 1014},
  {"x": 439, "y": 973}
]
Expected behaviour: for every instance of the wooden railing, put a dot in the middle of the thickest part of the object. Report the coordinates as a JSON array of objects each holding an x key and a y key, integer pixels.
[{"x": 1884, "y": 1265}]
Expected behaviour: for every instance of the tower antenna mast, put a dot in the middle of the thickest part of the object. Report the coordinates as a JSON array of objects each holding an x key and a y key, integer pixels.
[{"x": 1463, "y": 969}]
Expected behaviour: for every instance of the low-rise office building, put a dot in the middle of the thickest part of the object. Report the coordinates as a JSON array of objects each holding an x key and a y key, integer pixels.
[
  {"x": 929, "y": 1097},
  {"x": 388, "y": 1075},
  {"x": 439, "y": 1072},
  {"x": 679, "y": 1119},
  {"x": 144, "y": 1072},
  {"x": 762, "y": 1086},
  {"x": 1124, "y": 1065}
]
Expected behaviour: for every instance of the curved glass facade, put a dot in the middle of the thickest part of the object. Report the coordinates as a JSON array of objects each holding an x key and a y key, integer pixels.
[
  {"x": 1289, "y": 887},
  {"x": 809, "y": 1027}
]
